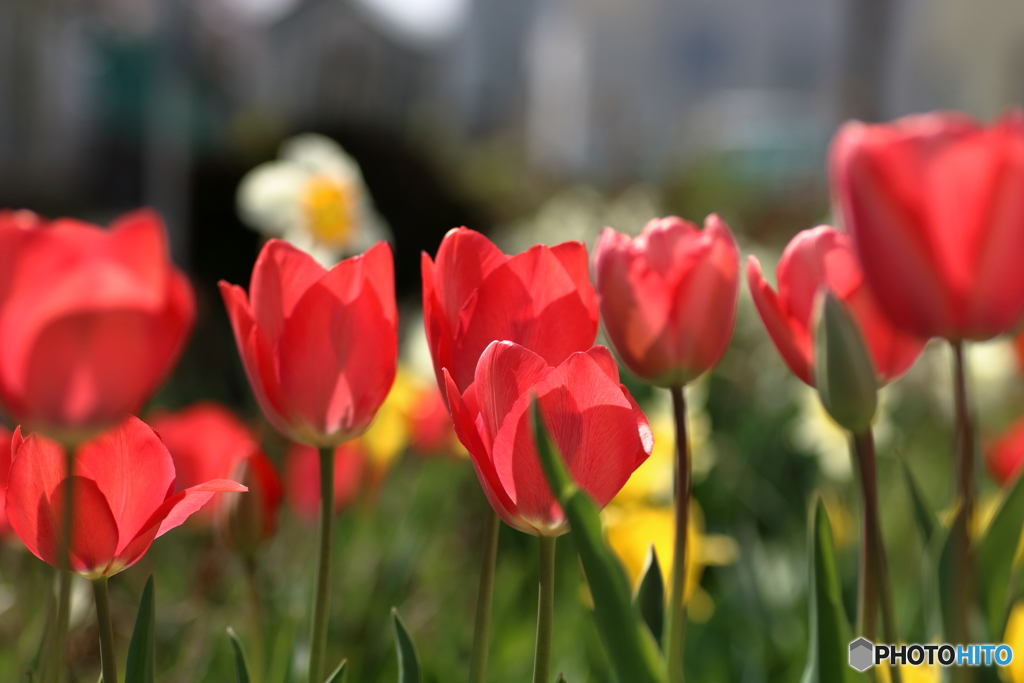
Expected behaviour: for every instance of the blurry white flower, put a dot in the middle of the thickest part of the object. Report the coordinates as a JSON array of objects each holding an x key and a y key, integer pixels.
[{"x": 314, "y": 197}]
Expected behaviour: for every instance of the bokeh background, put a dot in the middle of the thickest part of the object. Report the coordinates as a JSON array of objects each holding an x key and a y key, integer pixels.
[{"x": 531, "y": 121}]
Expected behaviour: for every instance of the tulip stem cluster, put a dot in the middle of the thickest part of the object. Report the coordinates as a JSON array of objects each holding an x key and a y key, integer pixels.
[
  {"x": 677, "y": 605},
  {"x": 107, "y": 659},
  {"x": 874, "y": 572},
  {"x": 322, "y": 599},
  {"x": 482, "y": 623},
  {"x": 545, "y": 610}
]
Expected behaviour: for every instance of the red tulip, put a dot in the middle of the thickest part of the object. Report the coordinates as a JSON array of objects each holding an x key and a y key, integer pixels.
[
  {"x": 247, "y": 521},
  {"x": 474, "y": 294},
  {"x": 598, "y": 427},
  {"x": 935, "y": 204},
  {"x": 207, "y": 441},
  {"x": 320, "y": 346},
  {"x": 5, "y": 469},
  {"x": 1006, "y": 454},
  {"x": 668, "y": 297},
  {"x": 92, "y": 320},
  {"x": 123, "y": 498},
  {"x": 817, "y": 258},
  {"x": 431, "y": 426},
  {"x": 302, "y": 474}
]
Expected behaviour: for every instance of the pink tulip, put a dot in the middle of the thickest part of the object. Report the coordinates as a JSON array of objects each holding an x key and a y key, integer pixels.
[
  {"x": 320, "y": 346},
  {"x": 824, "y": 258},
  {"x": 935, "y": 204},
  {"x": 668, "y": 297},
  {"x": 91, "y": 320},
  {"x": 598, "y": 427},
  {"x": 123, "y": 497}
]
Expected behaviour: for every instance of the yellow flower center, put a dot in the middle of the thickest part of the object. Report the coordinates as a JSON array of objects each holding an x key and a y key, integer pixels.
[{"x": 330, "y": 209}]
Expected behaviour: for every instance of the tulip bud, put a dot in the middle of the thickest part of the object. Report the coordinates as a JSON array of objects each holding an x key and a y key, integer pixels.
[
  {"x": 843, "y": 372},
  {"x": 250, "y": 520}
]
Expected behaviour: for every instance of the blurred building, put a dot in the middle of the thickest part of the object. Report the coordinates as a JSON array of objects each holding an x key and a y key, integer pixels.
[{"x": 113, "y": 100}]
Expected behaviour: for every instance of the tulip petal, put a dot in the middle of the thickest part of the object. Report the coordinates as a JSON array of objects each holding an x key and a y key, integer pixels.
[
  {"x": 131, "y": 466},
  {"x": 464, "y": 415},
  {"x": 338, "y": 355},
  {"x": 379, "y": 271},
  {"x": 281, "y": 276},
  {"x": 464, "y": 259},
  {"x": 6, "y": 446},
  {"x": 791, "y": 339},
  {"x": 35, "y": 508},
  {"x": 595, "y": 428},
  {"x": 172, "y": 512},
  {"x": 505, "y": 372},
  {"x": 530, "y": 300},
  {"x": 256, "y": 355}
]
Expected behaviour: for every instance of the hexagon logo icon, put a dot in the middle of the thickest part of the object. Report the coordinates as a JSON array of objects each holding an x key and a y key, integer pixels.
[{"x": 862, "y": 654}]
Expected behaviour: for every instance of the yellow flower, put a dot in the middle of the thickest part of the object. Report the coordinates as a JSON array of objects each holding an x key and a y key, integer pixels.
[
  {"x": 313, "y": 196},
  {"x": 631, "y": 531},
  {"x": 1014, "y": 637},
  {"x": 389, "y": 434}
]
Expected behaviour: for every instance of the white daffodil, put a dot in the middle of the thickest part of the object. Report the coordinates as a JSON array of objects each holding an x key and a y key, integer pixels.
[{"x": 314, "y": 197}]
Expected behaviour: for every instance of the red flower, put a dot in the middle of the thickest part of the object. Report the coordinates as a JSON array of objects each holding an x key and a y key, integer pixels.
[
  {"x": 935, "y": 204},
  {"x": 817, "y": 258},
  {"x": 92, "y": 320},
  {"x": 206, "y": 441},
  {"x": 319, "y": 346},
  {"x": 302, "y": 474},
  {"x": 123, "y": 497},
  {"x": 431, "y": 425},
  {"x": 598, "y": 427},
  {"x": 668, "y": 297},
  {"x": 474, "y": 294},
  {"x": 1006, "y": 454},
  {"x": 247, "y": 521},
  {"x": 5, "y": 469}
]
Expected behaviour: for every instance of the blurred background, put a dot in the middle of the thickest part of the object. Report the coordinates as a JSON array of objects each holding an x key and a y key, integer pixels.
[{"x": 531, "y": 121}]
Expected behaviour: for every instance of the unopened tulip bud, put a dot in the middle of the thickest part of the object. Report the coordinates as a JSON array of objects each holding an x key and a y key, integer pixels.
[{"x": 843, "y": 372}]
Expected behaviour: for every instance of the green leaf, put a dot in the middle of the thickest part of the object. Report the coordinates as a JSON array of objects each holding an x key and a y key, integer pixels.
[
  {"x": 843, "y": 371},
  {"x": 408, "y": 658},
  {"x": 923, "y": 515},
  {"x": 650, "y": 596},
  {"x": 241, "y": 662},
  {"x": 141, "y": 651},
  {"x": 829, "y": 631},
  {"x": 561, "y": 679},
  {"x": 340, "y": 674},
  {"x": 631, "y": 647},
  {"x": 995, "y": 554}
]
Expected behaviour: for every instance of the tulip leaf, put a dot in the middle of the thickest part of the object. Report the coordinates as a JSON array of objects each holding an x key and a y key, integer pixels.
[
  {"x": 408, "y": 658},
  {"x": 843, "y": 370},
  {"x": 944, "y": 572},
  {"x": 340, "y": 674},
  {"x": 650, "y": 596},
  {"x": 561, "y": 679},
  {"x": 633, "y": 652},
  {"x": 829, "y": 631},
  {"x": 141, "y": 667},
  {"x": 995, "y": 553},
  {"x": 241, "y": 661},
  {"x": 923, "y": 515}
]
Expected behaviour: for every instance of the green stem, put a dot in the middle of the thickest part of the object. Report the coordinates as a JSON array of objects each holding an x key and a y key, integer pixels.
[
  {"x": 874, "y": 566},
  {"x": 961, "y": 549},
  {"x": 482, "y": 625},
  {"x": 54, "y": 658},
  {"x": 107, "y": 658},
  {"x": 322, "y": 601},
  {"x": 545, "y": 610},
  {"x": 677, "y": 599},
  {"x": 257, "y": 645}
]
